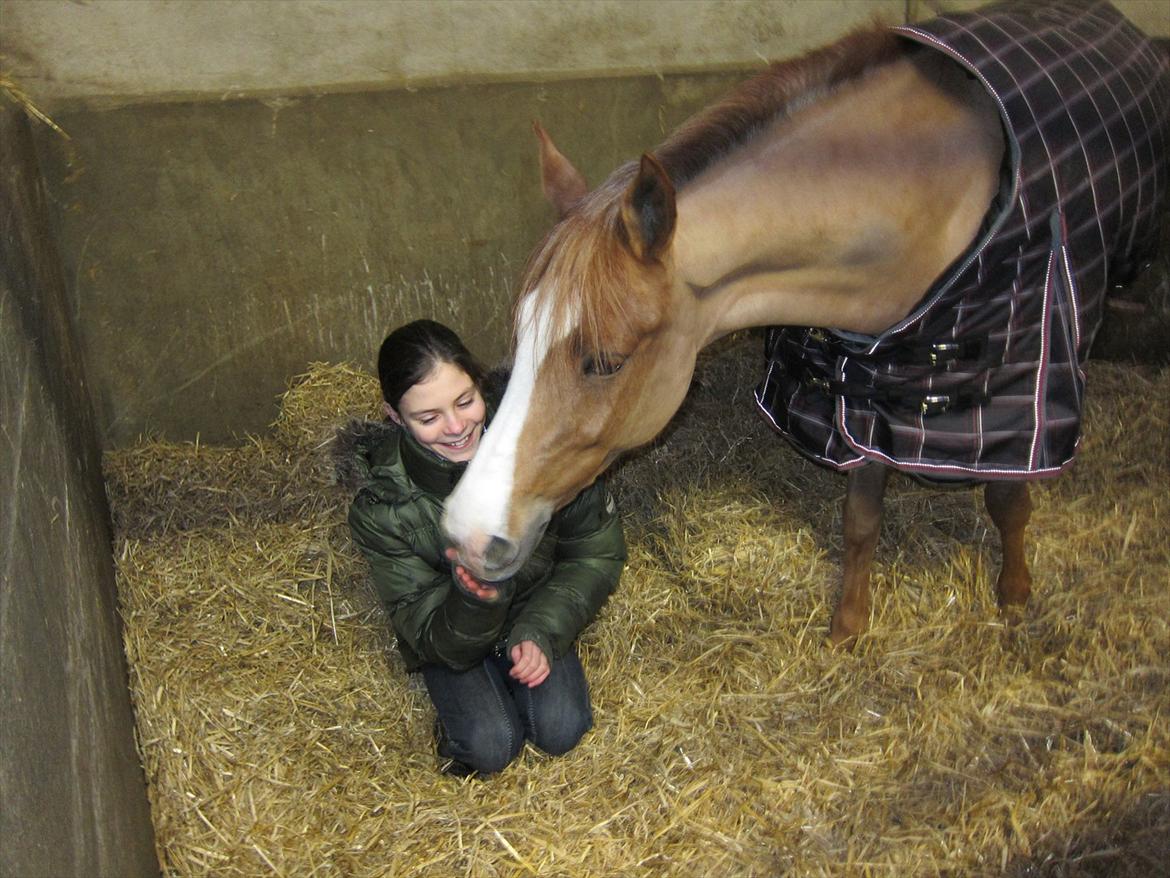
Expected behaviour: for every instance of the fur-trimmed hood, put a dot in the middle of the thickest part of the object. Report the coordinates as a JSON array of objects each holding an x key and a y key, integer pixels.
[{"x": 355, "y": 441}]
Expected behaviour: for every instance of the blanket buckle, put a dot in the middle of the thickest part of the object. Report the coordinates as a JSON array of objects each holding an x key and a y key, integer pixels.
[
  {"x": 943, "y": 351},
  {"x": 935, "y": 405}
]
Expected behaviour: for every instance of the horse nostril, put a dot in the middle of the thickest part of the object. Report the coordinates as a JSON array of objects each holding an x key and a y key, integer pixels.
[{"x": 500, "y": 553}]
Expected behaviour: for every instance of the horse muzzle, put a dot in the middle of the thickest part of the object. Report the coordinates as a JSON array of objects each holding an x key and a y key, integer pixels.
[{"x": 491, "y": 557}]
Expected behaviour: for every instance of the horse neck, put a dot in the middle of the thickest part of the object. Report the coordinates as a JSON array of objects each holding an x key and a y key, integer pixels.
[
  {"x": 750, "y": 252},
  {"x": 841, "y": 215},
  {"x": 745, "y": 263}
]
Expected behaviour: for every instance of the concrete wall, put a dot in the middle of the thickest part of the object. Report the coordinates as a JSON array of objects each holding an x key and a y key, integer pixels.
[
  {"x": 133, "y": 50},
  {"x": 216, "y": 249},
  {"x": 74, "y": 798},
  {"x": 126, "y": 49}
]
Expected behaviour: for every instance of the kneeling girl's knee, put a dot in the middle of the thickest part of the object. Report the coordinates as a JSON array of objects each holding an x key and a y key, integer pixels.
[
  {"x": 558, "y": 735},
  {"x": 492, "y": 745}
]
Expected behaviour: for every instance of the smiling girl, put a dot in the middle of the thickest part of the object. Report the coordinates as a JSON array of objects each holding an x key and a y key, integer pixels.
[{"x": 499, "y": 659}]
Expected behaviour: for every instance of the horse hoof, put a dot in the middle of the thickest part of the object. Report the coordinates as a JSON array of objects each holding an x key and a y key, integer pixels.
[
  {"x": 1013, "y": 590},
  {"x": 1012, "y": 613},
  {"x": 841, "y": 637},
  {"x": 847, "y": 623},
  {"x": 844, "y": 644}
]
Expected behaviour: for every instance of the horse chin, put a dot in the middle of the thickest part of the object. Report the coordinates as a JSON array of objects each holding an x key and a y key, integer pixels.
[{"x": 502, "y": 558}]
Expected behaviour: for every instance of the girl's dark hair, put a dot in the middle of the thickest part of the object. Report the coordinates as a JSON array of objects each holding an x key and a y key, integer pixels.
[{"x": 410, "y": 352}]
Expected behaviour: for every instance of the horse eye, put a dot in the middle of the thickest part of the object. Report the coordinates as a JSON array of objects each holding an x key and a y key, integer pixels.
[{"x": 602, "y": 365}]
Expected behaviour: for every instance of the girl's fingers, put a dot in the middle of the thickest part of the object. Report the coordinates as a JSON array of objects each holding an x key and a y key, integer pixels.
[
  {"x": 473, "y": 585},
  {"x": 536, "y": 679},
  {"x": 529, "y": 664}
]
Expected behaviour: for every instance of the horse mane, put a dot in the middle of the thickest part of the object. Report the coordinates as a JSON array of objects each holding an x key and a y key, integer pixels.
[
  {"x": 774, "y": 93},
  {"x": 591, "y": 265}
]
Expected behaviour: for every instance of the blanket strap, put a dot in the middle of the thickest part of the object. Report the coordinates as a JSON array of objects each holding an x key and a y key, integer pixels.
[{"x": 818, "y": 373}]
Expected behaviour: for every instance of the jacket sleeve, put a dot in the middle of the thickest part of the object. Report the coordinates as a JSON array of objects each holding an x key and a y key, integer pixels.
[
  {"x": 590, "y": 555},
  {"x": 436, "y": 619}
]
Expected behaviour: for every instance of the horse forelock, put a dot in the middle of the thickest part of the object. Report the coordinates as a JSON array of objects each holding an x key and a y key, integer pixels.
[{"x": 580, "y": 280}]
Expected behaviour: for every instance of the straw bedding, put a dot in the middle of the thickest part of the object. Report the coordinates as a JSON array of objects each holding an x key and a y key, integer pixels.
[{"x": 280, "y": 735}]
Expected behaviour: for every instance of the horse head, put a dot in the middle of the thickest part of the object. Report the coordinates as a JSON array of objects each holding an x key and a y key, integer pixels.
[{"x": 601, "y": 360}]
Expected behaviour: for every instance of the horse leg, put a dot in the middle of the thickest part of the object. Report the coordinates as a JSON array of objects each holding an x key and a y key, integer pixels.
[
  {"x": 1010, "y": 507},
  {"x": 862, "y": 521}
]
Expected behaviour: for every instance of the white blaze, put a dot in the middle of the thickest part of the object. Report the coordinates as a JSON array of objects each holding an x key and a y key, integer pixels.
[{"x": 478, "y": 508}]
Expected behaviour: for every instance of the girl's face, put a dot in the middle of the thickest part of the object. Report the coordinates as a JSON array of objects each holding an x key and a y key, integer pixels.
[{"x": 444, "y": 412}]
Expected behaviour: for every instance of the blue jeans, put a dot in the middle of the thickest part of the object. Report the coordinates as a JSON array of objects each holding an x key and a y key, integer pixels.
[{"x": 485, "y": 716}]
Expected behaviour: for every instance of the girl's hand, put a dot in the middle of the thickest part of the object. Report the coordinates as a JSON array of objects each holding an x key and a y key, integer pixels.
[
  {"x": 470, "y": 584},
  {"x": 529, "y": 664}
]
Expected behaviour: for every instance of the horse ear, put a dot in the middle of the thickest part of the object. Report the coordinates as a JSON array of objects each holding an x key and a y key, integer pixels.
[
  {"x": 562, "y": 184},
  {"x": 649, "y": 211}
]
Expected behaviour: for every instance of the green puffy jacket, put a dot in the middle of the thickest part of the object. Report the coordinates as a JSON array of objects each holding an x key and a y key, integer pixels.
[{"x": 394, "y": 519}]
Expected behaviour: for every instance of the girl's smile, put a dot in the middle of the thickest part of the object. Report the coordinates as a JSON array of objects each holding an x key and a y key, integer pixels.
[{"x": 444, "y": 412}]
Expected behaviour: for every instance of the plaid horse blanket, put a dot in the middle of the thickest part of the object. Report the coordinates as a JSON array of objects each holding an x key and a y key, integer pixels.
[{"x": 983, "y": 379}]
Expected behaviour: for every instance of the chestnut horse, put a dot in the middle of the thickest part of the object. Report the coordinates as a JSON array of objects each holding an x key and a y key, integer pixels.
[{"x": 830, "y": 191}]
